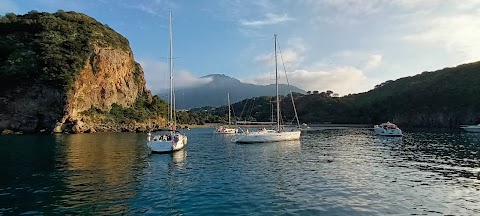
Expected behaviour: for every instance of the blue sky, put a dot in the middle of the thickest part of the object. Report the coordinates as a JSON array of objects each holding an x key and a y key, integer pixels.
[{"x": 347, "y": 46}]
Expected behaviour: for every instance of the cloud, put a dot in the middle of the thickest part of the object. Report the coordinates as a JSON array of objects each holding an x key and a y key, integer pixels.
[
  {"x": 457, "y": 34},
  {"x": 157, "y": 77},
  {"x": 293, "y": 54},
  {"x": 342, "y": 80},
  {"x": 185, "y": 79},
  {"x": 373, "y": 62},
  {"x": 270, "y": 19}
]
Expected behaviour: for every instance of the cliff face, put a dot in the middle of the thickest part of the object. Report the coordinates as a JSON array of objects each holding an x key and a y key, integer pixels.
[
  {"x": 45, "y": 85},
  {"x": 107, "y": 79},
  {"x": 111, "y": 76}
]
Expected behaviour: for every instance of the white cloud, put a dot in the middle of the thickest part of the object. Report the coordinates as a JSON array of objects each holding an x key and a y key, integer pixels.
[
  {"x": 157, "y": 76},
  {"x": 292, "y": 55},
  {"x": 373, "y": 62},
  {"x": 457, "y": 34},
  {"x": 186, "y": 79},
  {"x": 270, "y": 19},
  {"x": 342, "y": 80}
]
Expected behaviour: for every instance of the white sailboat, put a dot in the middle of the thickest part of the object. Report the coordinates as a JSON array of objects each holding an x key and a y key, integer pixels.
[
  {"x": 169, "y": 140},
  {"x": 279, "y": 133},
  {"x": 226, "y": 129}
]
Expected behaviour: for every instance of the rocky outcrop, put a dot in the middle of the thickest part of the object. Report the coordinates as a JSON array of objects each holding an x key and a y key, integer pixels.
[
  {"x": 110, "y": 76},
  {"x": 52, "y": 89}
]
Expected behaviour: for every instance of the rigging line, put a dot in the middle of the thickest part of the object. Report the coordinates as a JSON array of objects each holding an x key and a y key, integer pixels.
[
  {"x": 288, "y": 83},
  {"x": 244, "y": 106},
  {"x": 251, "y": 108},
  {"x": 233, "y": 112}
]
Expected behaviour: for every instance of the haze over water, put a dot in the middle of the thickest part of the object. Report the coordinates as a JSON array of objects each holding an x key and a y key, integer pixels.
[{"x": 331, "y": 172}]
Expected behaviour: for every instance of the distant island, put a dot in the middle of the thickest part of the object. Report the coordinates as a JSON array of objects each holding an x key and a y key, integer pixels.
[{"x": 66, "y": 72}]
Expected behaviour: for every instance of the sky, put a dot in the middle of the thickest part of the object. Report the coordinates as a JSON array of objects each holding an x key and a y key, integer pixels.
[{"x": 347, "y": 46}]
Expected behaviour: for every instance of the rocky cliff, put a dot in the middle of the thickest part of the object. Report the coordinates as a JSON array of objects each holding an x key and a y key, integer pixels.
[{"x": 65, "y": 72}]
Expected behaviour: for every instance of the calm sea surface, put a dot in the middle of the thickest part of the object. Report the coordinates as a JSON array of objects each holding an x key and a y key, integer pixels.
[{"x": 330, "y": 172}]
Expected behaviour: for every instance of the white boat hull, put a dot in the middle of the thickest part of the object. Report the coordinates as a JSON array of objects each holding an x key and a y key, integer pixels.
[
  {"x": 387, "y": 132},
  {"x": 266, "y": 136},
  {"x": 226, "y": 131},
  {"x": 472, "y": 128},
  {"x": 165, "y": 146}
]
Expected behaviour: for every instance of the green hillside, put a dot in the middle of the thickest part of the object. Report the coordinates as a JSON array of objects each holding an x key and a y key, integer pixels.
[{"x": 445, "y": 98}]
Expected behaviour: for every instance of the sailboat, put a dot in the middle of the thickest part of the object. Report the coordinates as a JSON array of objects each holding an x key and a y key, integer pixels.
[
  {"x": 168, "y": 140},
  {"x": 270, "y": 135},
  {"x": 226, "y": 129}
]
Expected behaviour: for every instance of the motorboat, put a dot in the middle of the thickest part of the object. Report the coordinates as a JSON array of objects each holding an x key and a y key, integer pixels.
[
  {"x": 225, "y": 130},
  {"x": 472, "y": 128},
  {"x": 387, "y": 129}
]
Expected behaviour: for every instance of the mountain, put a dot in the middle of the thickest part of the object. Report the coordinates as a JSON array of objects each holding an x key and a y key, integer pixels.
[
  {"x": 444, "y": 98},
  {"x": 215, "y": 92},
  {"x": 66, "y": 72}
]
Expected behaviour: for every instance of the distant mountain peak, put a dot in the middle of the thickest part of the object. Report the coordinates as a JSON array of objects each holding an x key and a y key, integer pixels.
[
  {"x": 215, "y": 92},
  {"x": 216, "y": 78}
]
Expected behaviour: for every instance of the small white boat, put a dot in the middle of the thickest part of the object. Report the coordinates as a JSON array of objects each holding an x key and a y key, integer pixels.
[
  {"x": 387, "y": 129},
  {"x": 167, "y": 142},
  {"x": 472, "y": 128},
  {"x": 226, "y": 129},
  {"x": 264, "y": 136},
  {"x": 277, "y": 135}
]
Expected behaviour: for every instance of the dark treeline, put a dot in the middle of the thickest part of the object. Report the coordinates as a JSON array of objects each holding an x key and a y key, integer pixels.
[{"x": 445, "y": 98}]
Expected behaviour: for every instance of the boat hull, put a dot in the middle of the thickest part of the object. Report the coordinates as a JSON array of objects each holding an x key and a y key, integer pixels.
[
  {"x": 388, "y": 132},
  {"x": 265, "y": 137},
  {"x": 166, "y": 146},
  {"x": 226, "y": 131},
  {"x": 472, "y": 129}
]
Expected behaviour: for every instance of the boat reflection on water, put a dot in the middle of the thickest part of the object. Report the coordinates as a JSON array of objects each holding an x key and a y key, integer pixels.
[
  {"x": 99, "y": 168},
  {"x": 179, "y": 159}
]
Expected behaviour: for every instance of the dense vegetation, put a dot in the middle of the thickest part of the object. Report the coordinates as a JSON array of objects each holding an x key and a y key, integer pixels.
[
  {"x": 49, "y": 48},
  {"x": 143, "y": 109},
  {"x": 444, "y": 98}
]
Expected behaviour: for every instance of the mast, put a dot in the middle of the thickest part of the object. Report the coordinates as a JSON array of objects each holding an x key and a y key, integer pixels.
[
  {"x": 171, "y": 118},
  {"x": 228, "y": 99},
  {"x": 276, "y": 86}
]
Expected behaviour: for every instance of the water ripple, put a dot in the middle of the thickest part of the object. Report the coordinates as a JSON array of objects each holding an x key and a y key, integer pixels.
[{"x": 330, "y": 172}]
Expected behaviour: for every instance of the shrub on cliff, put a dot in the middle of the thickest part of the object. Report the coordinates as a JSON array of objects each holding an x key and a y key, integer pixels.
[
  {"x": 142, "y": 110},
  {"x": 50, "y": 48}
]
